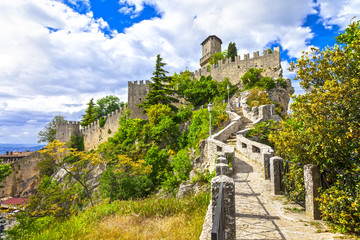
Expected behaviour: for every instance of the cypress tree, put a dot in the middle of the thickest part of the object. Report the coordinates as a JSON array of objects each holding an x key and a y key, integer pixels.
[
  {"x": 232, "y": 51},
  {"x": 90, "y": 114},
  {"x": 160, "y": 88}
]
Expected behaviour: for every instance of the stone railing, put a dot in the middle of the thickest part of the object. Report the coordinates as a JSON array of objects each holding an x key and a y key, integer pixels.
[
  {"x": 212, "y": 146},
  {"x": 264, "y": 155},
  {"x": 254, "y": 150},
  {"x": 260, "y": 114},
  {"x": 228, "y": 190},
  {"x": 233, "y": 127}
]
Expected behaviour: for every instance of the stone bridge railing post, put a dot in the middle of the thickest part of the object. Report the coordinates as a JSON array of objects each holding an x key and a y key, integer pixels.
[
  {"x": 312, "y": 184},
  {"x": 229, "y": 203},
  {"x": 275, "y": 175}
]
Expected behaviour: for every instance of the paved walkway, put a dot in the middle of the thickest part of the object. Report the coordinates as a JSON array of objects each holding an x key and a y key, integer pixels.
[{"x": 262, "y": 215}]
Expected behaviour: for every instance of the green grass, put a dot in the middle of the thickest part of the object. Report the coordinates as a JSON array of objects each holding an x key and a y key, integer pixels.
[{"x": 173, "y": 216}]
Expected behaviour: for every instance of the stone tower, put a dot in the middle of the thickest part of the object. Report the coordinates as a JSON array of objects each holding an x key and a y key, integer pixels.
[{"x": 212, "y": 44}]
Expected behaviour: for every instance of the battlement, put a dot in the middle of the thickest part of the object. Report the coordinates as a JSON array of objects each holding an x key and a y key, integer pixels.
[
  {"x": 113, "y": 116},
  {"x": 269, "y": 61},
  {"x": 137, "y": 92},
  {"x": 65, "y": 129},
  {"x": 137, "y": 83}
]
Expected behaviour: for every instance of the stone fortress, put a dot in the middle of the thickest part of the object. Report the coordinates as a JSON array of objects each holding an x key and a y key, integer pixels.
[
  {"x": 22, "y": 181},
  {"x": 137, "y": 90}
]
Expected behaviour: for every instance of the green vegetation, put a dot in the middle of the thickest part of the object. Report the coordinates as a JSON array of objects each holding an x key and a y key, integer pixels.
[
  {"x": 324, "y": 127},
  {"x": 90, "y": 114},
  {"x": 103, "y": 106},
  {"x": 258, "y": 97},
  {"x": 252, "y": 79},
  {"x": 141, "y": 158},
  {"x": 232, "y": 51},
  {"x": 219, "y": 56},
  {"x": 5, "y": 170},
  {"x": 204, "y": 90},
  {"x": 160, "y": 89},
  {"x": 49, "y": 133},
  {"x": 102, "y": 121},
  {"x": 263, "y": 130},
  {"x": 122, "y": 220},
  {"x": 108, "y": 104}
]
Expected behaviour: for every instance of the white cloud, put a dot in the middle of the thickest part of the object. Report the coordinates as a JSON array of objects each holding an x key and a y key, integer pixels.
[
  {"x": 339, "y": 12},
  {"x": 54, "y": 59}
]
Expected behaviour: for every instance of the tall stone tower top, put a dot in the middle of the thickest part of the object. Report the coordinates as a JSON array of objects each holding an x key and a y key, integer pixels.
[{"x": 212, "y": 44}]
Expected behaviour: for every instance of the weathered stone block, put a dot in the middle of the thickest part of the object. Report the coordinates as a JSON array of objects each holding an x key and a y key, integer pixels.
[
  {"x": 221, "y": 169},
  {"x": 229, "y": 203},
  {"x": 312, "y": 184},
  {"x": 267, "y": 157},
  {"x": 275, "y": 175},
  {"x": 221, "y": 160}
]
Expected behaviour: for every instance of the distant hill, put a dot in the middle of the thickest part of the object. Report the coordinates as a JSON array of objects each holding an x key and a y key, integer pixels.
[{"x": 19, "y": 147}]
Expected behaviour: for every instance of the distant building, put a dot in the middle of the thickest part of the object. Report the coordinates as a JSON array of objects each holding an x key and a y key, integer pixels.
[
  {"x": 11, "y": 157},
  {"x": 14, "y": 202}
]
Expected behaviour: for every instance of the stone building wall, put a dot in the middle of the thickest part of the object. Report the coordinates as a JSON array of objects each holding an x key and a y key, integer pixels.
[{"x": 269, "y": 62}]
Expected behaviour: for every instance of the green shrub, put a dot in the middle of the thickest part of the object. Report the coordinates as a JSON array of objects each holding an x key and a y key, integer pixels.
[
  {"x": 102, "y": 121},
  {"x": 339, "y": 207},
  {"x": 258, "y": 97},
  {"x": 266, "y": 82},
  {"x": 263, "y": 129},
  {"x": 294, "y": 183},
  {"x": 250, "y": 77},
  {"x": 282, "y": 82}
]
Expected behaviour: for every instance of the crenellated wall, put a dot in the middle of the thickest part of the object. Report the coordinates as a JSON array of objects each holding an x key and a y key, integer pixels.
[
  {"x": 94, "y": 134},
  {"x": 269, "y": 62},
  {"x": 137, "y": 92},
  {"x": 64, "y": 130}
]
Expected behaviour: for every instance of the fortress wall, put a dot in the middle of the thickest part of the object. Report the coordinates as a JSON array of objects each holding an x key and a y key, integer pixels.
[
  {"x": 64, "y": 130},
  {"x": 24, "y": 177},
  {"x": 94, "y": 134},
  {"x": 270, "y": 62},
  {"x": 136, "y": 95}
]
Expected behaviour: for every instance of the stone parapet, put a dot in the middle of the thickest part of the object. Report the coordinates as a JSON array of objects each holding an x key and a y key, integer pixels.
[
  {"x": 229, "y": 202},
  {"x": 253, "y": 150}
]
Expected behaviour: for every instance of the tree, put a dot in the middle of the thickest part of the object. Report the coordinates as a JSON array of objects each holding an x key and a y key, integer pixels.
[
  {"x": 90, "y": 114},
  {"x": 124, "y": 177},
  {"x": 160, "y": 88},
  {"x": 75, "y": 163},
  {"x": 324, "y": 127},
  {"x": 231, "y": 51},
  {"x": 216, "y": 57},
  {"x": 107, "y": 105},
  {"x": 5, "y": 170},
  {"x": 49, "y": 133}
]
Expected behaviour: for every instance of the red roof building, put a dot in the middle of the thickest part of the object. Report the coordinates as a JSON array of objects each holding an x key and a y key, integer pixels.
[{"x": 14, "y": 202}]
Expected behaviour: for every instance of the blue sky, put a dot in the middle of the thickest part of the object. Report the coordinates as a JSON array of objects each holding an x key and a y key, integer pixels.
[{"x": 58, "y": 54}]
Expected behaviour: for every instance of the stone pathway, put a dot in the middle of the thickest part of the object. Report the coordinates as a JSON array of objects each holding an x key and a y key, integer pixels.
[{"x": 262, "y": 215}]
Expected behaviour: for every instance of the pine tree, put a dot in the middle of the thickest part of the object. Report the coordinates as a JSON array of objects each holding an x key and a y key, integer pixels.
[
  {"x": 90, "y": 114},
  {"x": 232, "y": 51},
  {"x": 160, "y": 88}
]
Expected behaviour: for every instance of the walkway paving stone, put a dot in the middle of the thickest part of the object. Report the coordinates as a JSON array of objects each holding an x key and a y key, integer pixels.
[{"x": 262, "y": 215}]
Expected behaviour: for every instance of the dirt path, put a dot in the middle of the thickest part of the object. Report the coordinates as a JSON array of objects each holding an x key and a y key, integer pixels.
[{"x": 262, "y": 215}]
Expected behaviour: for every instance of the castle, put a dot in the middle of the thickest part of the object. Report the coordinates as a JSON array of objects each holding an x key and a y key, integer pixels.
[{"x": 137, "y": 91}]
